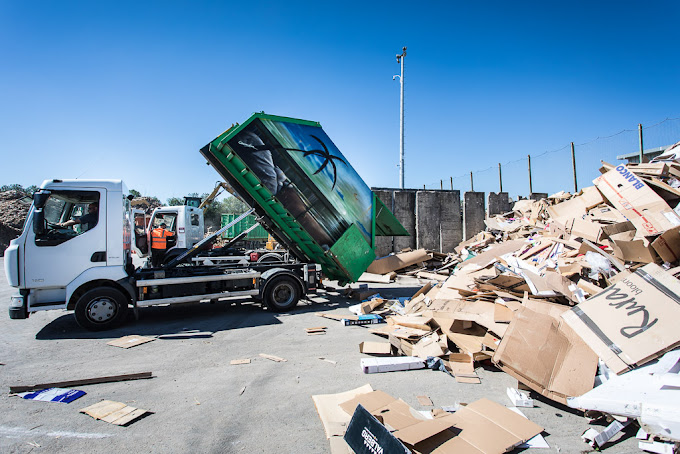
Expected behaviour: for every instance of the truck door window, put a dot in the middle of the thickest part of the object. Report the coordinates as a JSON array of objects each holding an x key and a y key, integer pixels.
[
  {"x": 194, "y": 219},
  {"x": 80, "y": 207},
  {"x": 168, "y": 218}
]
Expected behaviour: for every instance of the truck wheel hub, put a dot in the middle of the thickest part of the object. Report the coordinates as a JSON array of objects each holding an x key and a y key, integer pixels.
[
  {"x": 283, "y": 293},
  {"x": 101, "y": 310}
]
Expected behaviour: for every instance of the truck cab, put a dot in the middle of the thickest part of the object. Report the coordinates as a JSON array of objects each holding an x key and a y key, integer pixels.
[{"x": 68, "y": 242}]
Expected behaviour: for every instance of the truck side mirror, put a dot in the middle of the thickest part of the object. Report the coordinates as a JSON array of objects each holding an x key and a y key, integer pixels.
[
  {"x": 40, "y": 198},
  {"x": 38, "y": 222}
]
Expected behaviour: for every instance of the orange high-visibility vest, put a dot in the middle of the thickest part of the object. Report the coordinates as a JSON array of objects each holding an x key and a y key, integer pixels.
[{"x": 158, "y": 238}]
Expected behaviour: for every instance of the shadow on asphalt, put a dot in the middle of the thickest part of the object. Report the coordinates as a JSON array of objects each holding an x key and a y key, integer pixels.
[{"x": 202, "y": 320}]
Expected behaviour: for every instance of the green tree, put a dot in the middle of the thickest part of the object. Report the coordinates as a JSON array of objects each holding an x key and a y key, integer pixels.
[
  {"x": 173, "y": 201},
  {"x": 234, "y": 205},
  {"x": 135, "y": 193}
]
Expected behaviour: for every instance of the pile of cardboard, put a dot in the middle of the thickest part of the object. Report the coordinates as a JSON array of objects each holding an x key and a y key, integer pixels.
[{"x": 564, "y": 294}]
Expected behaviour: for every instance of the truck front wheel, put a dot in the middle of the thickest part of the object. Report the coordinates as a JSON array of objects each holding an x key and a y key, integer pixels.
[
  {"x": 101, "y": 308},
  {"x": 282, "y": 294}
]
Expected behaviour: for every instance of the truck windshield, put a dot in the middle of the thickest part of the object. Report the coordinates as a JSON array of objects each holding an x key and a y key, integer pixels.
[{"x": 68, "y": 214}]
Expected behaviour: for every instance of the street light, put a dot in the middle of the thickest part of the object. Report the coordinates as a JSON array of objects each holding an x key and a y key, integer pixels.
[{"x": 400, "y": 60}]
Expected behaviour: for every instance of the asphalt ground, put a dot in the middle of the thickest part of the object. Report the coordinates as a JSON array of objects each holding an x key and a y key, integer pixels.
[{"x": 201, "y": 403}]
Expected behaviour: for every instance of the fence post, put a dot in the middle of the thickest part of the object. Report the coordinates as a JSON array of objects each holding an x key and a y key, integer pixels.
[
  {"x": 573, "y": 165},
  {"x": 641, "y": 146},
  {"x": 531, "y": 189},
  {"x": 472, "y": 184},
  {"x": 452, "y": 183},
  {"x": 441, "y": 185},
  {"x": 500, "y": 177}
]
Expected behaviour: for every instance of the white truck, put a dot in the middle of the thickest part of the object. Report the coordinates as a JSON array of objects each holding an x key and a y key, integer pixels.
[{"x": 88, "y": 267}]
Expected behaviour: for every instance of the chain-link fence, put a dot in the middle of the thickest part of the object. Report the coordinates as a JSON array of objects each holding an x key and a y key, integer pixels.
[{"x": 553, "y": 170}]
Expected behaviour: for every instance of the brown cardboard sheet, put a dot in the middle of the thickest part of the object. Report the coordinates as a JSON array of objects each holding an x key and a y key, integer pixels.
[
  {"x": 333, "y": 418},
  {"x": 543, "y": 352},
  {"x": 632, "y": 321},
  {"x": 396, "y": 262}
]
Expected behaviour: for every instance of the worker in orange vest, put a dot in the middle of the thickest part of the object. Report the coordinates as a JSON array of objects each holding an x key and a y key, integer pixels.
[{"x": 159, "y": 244}]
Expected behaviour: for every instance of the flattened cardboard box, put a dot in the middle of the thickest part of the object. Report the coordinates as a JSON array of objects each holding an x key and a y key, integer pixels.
[
  {"x": 396, "y": 262},
  {"x": 541, "y": 351},
  {"x": 650, "y": 214},
  {"x": 668, "y": 245},
  {"x": 633, "y": 321}
]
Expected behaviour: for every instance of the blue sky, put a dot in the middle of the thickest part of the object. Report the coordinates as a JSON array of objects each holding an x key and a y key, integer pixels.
[{"x": 132, "y": 90}]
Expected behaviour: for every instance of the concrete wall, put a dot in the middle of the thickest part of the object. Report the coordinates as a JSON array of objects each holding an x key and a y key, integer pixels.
[
  {"x": 498, "y": 203},
  {"x": 474, "y": 213},
  {"x": 434, "y": 218}
]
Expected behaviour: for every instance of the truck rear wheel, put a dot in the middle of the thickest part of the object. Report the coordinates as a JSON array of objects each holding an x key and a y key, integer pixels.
[
  {"x": 101, "y": 308},
  {"x": 282, "y": 294}
]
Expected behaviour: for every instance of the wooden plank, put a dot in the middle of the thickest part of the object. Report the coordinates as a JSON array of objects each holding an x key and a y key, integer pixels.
[
  {"x": 103, "y": 408},
  {"x": 82, "y": 382},
  {"x": 130, "y": 417},
  {"x": 112, "y": 417}
]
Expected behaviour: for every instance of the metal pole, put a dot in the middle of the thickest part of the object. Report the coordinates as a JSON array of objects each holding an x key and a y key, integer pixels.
[
  {"x": 400, "y": 60},
  {"x": 472, "y": 184},
  {"x": 441, "y": 185},
  {"x": 531, "y": 189},
  {"x": 641, "y": 146},
  {"x": 452, "y": 183},
  {"x": 500, "y": 177},
  {"x": 573, "y": 165}
]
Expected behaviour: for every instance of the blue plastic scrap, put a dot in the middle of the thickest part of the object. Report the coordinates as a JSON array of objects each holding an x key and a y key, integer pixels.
[{"x": 63, "y": 395}]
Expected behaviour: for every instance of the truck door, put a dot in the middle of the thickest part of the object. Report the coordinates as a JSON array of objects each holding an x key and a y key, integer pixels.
[{"x": 61, "y": 253}]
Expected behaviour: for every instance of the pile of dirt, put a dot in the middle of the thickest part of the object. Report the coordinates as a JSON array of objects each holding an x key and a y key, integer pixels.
[
  {"x": 148, "y": 204},
  {"x": 12, "y": 216}
]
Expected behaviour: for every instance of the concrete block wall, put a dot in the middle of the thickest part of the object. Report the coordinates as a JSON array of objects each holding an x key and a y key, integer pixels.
[
  {"x": 498, "y": 203},
  {"x": 435, "y": 219}
]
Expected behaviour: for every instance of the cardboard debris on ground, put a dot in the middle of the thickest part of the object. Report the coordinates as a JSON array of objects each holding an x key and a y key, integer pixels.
[
  {"x": 561, "y": 293},
  {"x": 116, "y": 413},
  {"x": 375, "y": 348},
  {"x": 236, "y": 362},
  {"x": 315, "y": 331},
  {"x": 130, "y": 341},
  {"x": 273, "y": 358}
]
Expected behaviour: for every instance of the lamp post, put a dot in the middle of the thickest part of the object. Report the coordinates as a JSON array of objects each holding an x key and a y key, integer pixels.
[{"x": 400, "y": 60}]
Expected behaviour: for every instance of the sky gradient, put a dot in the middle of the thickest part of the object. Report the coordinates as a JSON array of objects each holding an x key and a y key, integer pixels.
[{"x": 132, "y": 90}]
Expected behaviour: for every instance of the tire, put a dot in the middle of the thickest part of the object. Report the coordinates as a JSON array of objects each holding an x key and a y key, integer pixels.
[
  {"x": 282, "y": 294},
  {"x": 101, "y": 308}
]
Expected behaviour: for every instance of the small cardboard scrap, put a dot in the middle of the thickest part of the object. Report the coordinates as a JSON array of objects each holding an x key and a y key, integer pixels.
[
  {"x": 375, "y": 348},
  {"x": 631, "y": 322},
  {"x": 396, "y": 262},
  {"x": 130, "y": 341},
  {"x": 63, "y": 395},
  {"x": 543, "y": 352},
  {"x": 391, "y": 364},
  {"x": 334, "y": 418},
  {"x": 650, "y": 214},
  {"x": 316, "y": 331},
  {"x": 114, "y": 412},
  {"x": 236, "y": 362},
  {"x": 463, "y": 368},
  {"x": 425, "y": 401},
  {"x": 273, "y": 358}
]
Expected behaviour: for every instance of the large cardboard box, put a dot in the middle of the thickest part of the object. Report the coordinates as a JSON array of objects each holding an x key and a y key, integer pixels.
[
  {"x": 650, "y": 214},
  {"x": 668, "y": 245},
  {"x": 633, "y": 321},
  {"x": 541, "y": 351}
]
